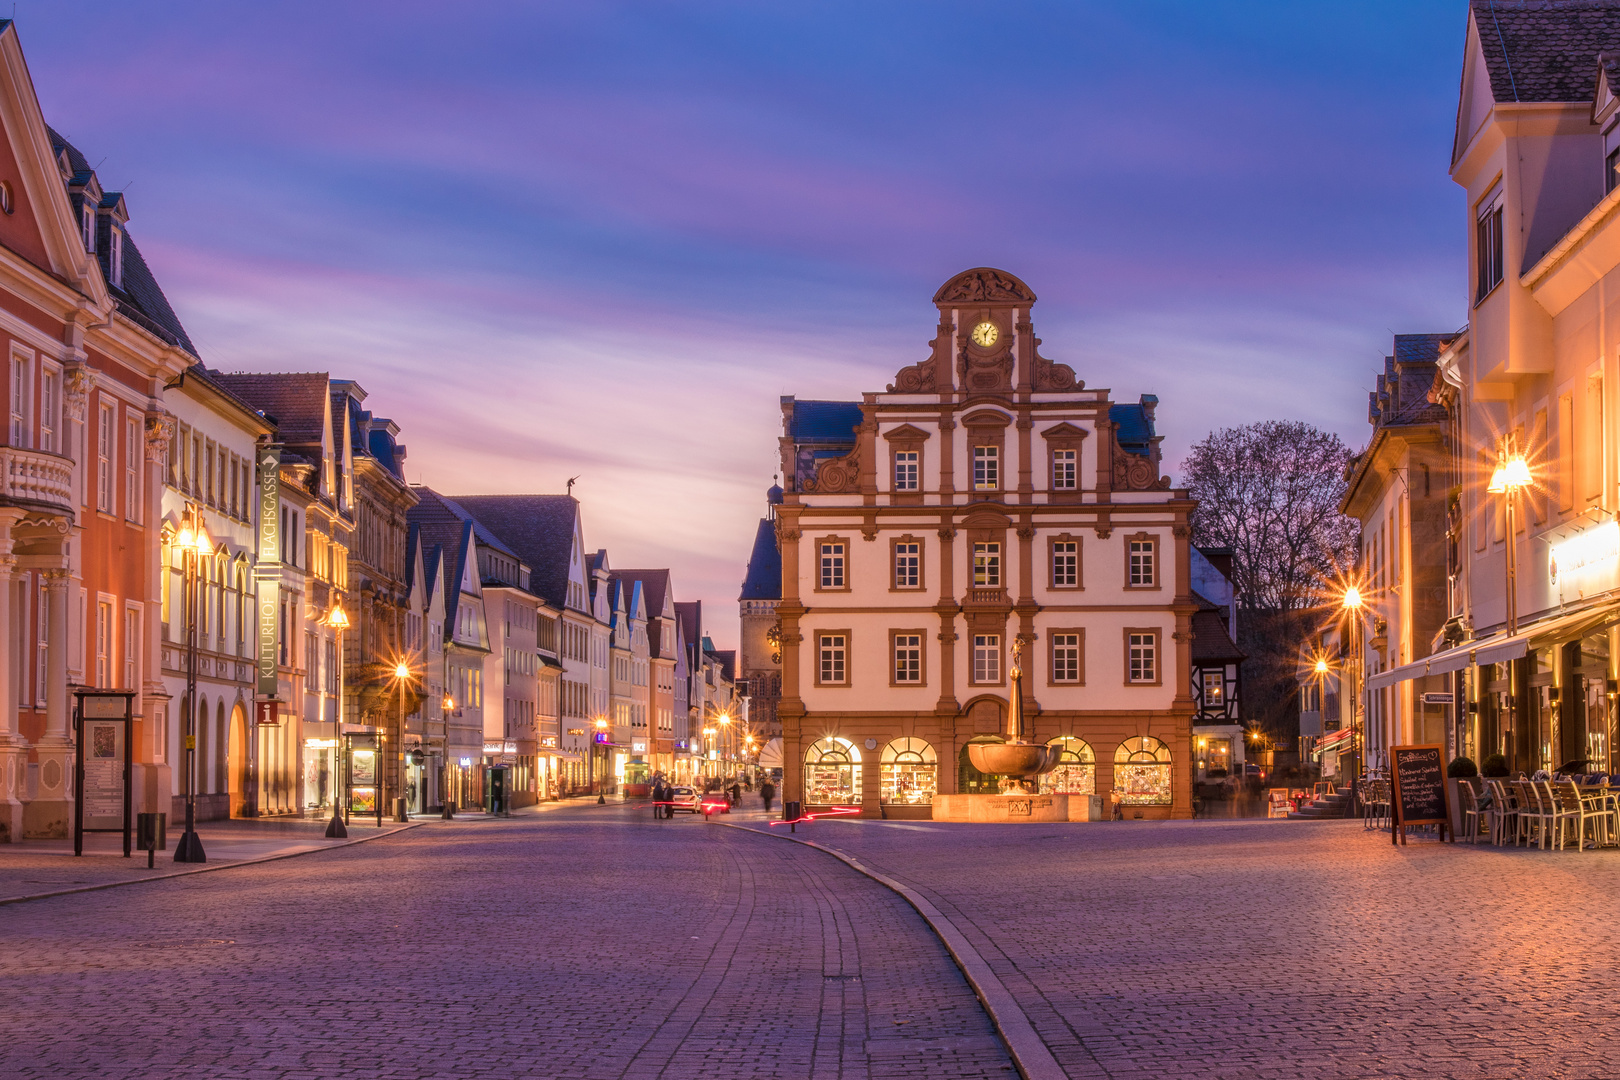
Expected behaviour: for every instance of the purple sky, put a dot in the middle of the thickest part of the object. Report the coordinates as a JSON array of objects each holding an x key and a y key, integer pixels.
[{"x": 602, "y": 239}]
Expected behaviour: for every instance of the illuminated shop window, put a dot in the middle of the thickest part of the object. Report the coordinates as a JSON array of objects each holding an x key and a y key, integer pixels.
[
  {"x": 1142, "y": 772},
  {"x": 1076, "y": 773},
  {"x": 832, "y": 773},
  {"x": 907, "y": 773}
]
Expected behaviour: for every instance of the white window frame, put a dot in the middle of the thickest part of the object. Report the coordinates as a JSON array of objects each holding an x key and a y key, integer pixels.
[
  {"x": 987, "y": 658},
  {"x": 907, "y": 660},
  {"x": 105, "y": 606},
  {"x": 50, "y": 409},
  {"x": 132, "y": 468},
  {"x": 1066, "y": 657},
  {"x": 1214, "y": 686},
  {"x": 987, "y": 564},
  {"x": 908, "y": 565},
  {"x": 89, "y": 225},
  {"x": 832, "y": 659},
  {"x": 1144, "y": 657},
  {"x": 834, "y": 564},
  {"x": 907, "y": 469},
  {"x": 106, "y": 449},
  {"x": 987, "y": 468},
  {"x": 43, "y": 643},
  {"x": 22, "y": 398},
  {"x": 1065, "y": 564},
  {"x": 129, "y": 653},
  {"x": 1065, "y": 470},
  {"x": 115, "y": 256},
  {"x": 1143, "y": 563}
]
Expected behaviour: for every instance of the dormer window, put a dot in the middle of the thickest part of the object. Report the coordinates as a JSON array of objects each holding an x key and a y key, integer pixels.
[
  {"x": 115, "y": 257},
  {"x": 89, "y": 226}
]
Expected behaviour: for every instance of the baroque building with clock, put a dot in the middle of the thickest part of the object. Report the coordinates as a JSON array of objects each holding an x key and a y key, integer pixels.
[{"x": 986, "y": 497}]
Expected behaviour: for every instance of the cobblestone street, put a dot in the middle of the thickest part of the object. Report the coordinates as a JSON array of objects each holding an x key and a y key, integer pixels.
[
  {"x": 596, "y": 943},
  {"x": 1277, "y": 949},
  {"x": 581, "y": 943}
]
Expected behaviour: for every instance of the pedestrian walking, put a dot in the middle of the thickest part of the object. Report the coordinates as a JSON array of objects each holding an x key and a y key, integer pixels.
[
  {"x": 767, "y": 792},
  {"x": 736, "y": 793},
  {"x": 659, "y": 794}
]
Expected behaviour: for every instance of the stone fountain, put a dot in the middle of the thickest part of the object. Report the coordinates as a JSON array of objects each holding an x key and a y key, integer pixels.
[{"x": 1018, "y": 761}]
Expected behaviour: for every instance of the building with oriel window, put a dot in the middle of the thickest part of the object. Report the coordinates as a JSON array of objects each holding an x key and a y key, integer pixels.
[{"x": 986, "y": 496}]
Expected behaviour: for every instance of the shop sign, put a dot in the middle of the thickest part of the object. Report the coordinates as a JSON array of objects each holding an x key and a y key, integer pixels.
[
  {"x": 268, "y": 568},
  {"x": 601, "y": 737},
  {"x": 320, "y": 744},
  {"x": 680, "y": 744},
  {"x": 576, "y": 731},
  {"x": 638, "y": 746},
  {"x": 548, "y": 741},
  {"x": 1594, "y": 549},
  {"x": 496, "y": 747},
  {"x": 1437, "y": 699}
]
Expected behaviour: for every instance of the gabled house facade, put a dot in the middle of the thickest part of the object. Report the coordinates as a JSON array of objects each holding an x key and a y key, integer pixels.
[{"x": 90, "y": 343}]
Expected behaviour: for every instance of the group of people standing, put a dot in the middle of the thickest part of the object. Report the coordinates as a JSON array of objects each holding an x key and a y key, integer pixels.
[{"x": 663, "y": 794}]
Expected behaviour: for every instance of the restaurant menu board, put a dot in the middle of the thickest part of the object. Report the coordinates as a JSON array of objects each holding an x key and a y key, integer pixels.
[{"x": 1418, "y": 777}]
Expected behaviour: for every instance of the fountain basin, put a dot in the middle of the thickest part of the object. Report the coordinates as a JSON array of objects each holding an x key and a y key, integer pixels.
[{"x": 1016, "y": 759}]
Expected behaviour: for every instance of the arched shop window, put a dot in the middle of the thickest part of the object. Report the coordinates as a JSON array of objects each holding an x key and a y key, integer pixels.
[
  {"x": 1076, "y": 773},
  {"x": 832, "y": 773},
  {"x": 1142, "y": 772},
  {"x": 908, "y": 773}
]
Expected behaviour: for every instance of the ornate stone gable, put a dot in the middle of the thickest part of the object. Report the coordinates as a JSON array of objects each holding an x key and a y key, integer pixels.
[{"x": 984, "y": 284}]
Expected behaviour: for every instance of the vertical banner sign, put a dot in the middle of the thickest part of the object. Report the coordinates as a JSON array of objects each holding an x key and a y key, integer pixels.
[{"x": 269, "y": 565}]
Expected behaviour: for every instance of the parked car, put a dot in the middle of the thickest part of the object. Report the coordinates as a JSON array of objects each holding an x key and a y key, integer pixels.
[{"x": 685, "y": 800}]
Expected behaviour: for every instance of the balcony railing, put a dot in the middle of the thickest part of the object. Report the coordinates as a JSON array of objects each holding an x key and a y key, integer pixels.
[
  {"x": 987, "y": 596},
  {"x": 36, "y": 476}
]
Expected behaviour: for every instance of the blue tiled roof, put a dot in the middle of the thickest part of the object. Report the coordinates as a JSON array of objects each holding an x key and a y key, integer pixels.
[
  {"x": 825, "y": 421},
  {"x": 764, "y": 580},
  {"x": 1134, "y": 429}
]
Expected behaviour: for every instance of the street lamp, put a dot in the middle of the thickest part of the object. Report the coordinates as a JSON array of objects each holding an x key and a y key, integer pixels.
[
  {"x": 590, "y": 778},
  {"x": 338, "y": 620},
  {"x": 194, "y": 544},
  {"x": 1511, "y": 477},
  {"x": 1351, "y": 604},
  {"x": 402, "y": 678}
]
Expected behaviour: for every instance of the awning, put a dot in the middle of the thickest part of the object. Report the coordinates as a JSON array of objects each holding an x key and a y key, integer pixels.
[
  {"x": 1501, "y": 648},
  {"x": 565, "y": 755},
  {"x": 1333, "y": 739}
]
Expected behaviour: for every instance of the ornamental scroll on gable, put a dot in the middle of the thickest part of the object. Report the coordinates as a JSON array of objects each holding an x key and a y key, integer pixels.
[{"x": 834, "y": 476}]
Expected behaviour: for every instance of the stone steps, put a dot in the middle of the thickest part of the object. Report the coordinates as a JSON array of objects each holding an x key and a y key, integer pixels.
[{"x": 1324, "y": 807}]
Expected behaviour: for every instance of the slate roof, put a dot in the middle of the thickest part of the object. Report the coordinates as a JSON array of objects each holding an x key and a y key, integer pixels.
[
  {"x": 824, "y": 421},
  {"x": 764, "y": 578},
  {"x": 293, "y": 400},
  {"x": 1135, "y": 426},
  {"x": 728, "y": 662},
  {"x": 689, "y": 614},
  {"x": 1211, "y": 644},
  {"x": 1545, "y": 50},
  {"x": 139, "y": 299},
  {"x": 1402, "y": 394},
  {"x": 435, "y": 510},
  {"x": 655, "y": 587},
  {"x": 539, "y": 529}
]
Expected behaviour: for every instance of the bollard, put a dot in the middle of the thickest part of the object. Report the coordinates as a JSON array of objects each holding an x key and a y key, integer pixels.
[
  {"x": 149, "y": 835},
  {"x": 791, "y": 814},
  {"x": 449, "y": 811},
  {"x": 400, "y": 812}
]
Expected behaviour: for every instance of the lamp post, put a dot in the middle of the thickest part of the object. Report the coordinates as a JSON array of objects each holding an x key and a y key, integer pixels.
[
  {"x": 601, "y": 728},
  {"x": 194, "y": 544},
  {"x": 402, "y": 678},
  {"x": 446, "y": 707},
  {"x": 1511, "y": 477},
  {"x": 338, "y": 620},
  {"x": 1351, "y": 604}
]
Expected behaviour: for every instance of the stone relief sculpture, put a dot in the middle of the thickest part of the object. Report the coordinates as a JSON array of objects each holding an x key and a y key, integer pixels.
[{"x": 984, "y": 284}]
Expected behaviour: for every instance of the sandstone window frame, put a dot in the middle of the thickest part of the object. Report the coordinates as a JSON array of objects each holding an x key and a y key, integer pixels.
[
  {"x": 1053, "y": 644},
  {"x": 1052, "y": 542},
  {"x": 1000, "y": 657},
  {"x": 907, "y": 439},
  {"x": 985, "y": 561},
  {"x": 1155, "y": 656},
  {"x": 1064, "y": 437},
  {"x": 1154, "y": 563},
  {"x": 820, "y": 665},
  {"x": 987, "y": 430},
  {"x": 921, "y": 646},
  {"x": 894, "y": 564},
  {"x": 844, "y": 556}
]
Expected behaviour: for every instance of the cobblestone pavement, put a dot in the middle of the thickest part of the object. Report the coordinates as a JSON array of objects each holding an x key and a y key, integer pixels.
[
  {"x": 1250, "y": 950},
  {"x": 584, "y": 943}
]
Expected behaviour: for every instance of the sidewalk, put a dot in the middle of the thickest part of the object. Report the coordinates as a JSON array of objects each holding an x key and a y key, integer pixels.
[{"x": 37, "y": 868}]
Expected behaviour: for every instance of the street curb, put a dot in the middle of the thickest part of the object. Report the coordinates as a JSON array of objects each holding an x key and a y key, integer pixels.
[
  {"x": 1032, "y": 1056},
  {"x": 4, "y": 900}
]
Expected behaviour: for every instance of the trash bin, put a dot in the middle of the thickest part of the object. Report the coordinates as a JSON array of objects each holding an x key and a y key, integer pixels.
[
  {"x": 790, "y": 811},
  {"x": 151, "y": 832},
  {"x": 400, "y": 812}
]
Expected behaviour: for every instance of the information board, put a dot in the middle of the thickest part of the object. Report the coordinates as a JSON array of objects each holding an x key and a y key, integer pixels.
[
  {"x": 1418, "y": 794},
  {"x": 102, "y": 764}
]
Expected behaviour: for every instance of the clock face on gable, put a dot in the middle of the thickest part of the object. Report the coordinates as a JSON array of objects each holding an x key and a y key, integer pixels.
[{"x": 985, "y": 334}]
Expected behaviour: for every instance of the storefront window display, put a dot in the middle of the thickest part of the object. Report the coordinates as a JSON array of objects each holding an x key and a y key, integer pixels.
[
  {"x": 319, "y": 768},
  {"x": 908, "y": 773},
  {"x": 1076, "y": 773},
  {"x": 832, "y": 773},
  {"x": 1142, "y": 772}
]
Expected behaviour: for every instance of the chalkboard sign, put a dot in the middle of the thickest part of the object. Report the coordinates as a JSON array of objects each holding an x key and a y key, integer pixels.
[{"x": 1419, "y": 792}]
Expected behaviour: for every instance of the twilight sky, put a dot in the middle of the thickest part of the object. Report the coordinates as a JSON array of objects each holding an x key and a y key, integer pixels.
[{"x": 602, "y": 239}]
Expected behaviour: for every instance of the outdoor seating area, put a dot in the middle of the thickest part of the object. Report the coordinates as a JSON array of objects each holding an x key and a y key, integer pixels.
[{"x": 1551, "y": 813}]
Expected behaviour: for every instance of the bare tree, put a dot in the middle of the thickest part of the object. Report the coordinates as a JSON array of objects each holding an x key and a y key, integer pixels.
[{"x": 1271, "y": 491}]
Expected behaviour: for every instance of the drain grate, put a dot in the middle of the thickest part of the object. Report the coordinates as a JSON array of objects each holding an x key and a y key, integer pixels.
[{"x": 842, "y": 978}]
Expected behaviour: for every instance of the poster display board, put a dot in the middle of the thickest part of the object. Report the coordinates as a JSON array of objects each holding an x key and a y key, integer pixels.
[
  {"x": 363, "y": 780},
  {"x": 1418, "y": 790},
  {"x": 103, "y": 765}
]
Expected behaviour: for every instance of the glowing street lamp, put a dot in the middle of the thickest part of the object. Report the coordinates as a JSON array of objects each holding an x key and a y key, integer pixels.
[
  {"x": 1511, "y": 477},
  {"x": 338, "y": 620},
  {"x": 194, "y": 545},
  {"x": 402, "y": 678},
  {"x": 590, "y": 767}
]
